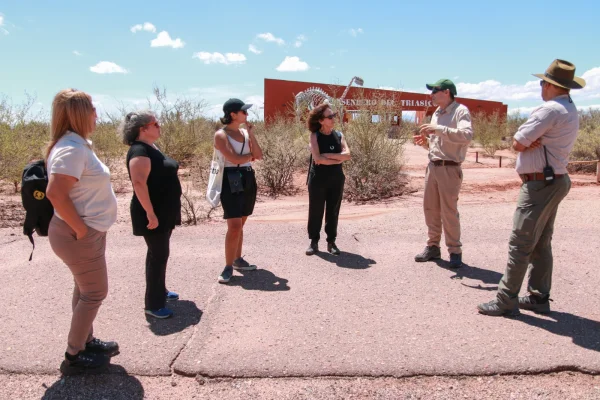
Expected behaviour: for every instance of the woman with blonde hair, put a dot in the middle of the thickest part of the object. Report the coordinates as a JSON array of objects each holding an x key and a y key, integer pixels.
[
  {"x": 239, "y": 147},
  {"x": 85, "y": 207}
]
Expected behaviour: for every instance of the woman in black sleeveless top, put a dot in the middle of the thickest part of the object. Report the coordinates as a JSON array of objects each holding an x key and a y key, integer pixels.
[
  {"x": 326, "y": 177},
  {"x": 156, "y": 203}
]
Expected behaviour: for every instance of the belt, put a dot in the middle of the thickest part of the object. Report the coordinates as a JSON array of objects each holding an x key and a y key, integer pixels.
[
  {"x": 444, "y": 162},
  {"x": 247, "y": 168},
  {"x": 537, "y": 176}
]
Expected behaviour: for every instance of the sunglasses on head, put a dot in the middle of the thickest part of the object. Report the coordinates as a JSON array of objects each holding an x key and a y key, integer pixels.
[
  {"x": 332, "y": 116},
  {"x": 437, "y": 89}
]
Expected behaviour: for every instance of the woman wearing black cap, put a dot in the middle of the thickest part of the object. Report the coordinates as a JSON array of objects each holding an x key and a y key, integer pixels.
[{"x": 239, "y": 148}]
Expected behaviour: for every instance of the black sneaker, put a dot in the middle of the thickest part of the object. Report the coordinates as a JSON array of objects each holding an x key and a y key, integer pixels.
[
  {"x": 226, "y": 274},
  {"x": 312, "y": 248},
  {"x": 332, "y": 248},
  {"x": 455, "y": 260},
  {"x": 535, "y": 303},
  {"x": 495, "y": 308},
  {"x": 430, "y": 253},
  {"x": 98, "y": 346},
  {"x": 84, "y": 361}
]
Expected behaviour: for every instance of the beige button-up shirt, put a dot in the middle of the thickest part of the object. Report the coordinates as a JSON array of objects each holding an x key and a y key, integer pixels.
[{"x": 452, "y": 142}]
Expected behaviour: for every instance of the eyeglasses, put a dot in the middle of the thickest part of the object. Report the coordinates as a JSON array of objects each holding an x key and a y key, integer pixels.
[
  {"x": 542, "y": 83},
  {"x": 332, "y": 116},
  {"x": 244, "y": 111},
  {"x": 437, "y": 89}
]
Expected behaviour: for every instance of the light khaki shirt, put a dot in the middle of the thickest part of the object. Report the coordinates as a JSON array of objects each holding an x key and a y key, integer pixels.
[
  {"x": 556, "y": 123},
  {"x": 452, "y": 141}
]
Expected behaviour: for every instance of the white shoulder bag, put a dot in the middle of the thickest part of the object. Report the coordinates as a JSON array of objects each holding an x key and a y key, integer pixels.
[{"x": 215, "y": 179}]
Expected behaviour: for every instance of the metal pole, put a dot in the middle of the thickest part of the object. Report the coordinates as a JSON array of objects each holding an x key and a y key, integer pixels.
[
  {"x": 500, "y": 162},
  {"x": 476, "y": 156},
  {"x": 598, "y": 172}
]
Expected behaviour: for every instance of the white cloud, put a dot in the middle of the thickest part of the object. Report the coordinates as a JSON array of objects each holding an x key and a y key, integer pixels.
[
  {"x": 592, "y": 84},
  {"x": 252, "y": 48},
  {"x": 269, "y": 37},
  {"x": 147, "y": 26},
  {"x": 292, "y": 64},
  {"x": 76, "y": 53},
  {"x": 1, "y": 20},
  {"x": 3, "y": 30},
  {"x": 164, "y": 40},
  {"x": 300, "y": 40},
  {"x": 356, "y": 32},
  {"x": 218, "y": 58},
  {"x": 107, "y": 67}
]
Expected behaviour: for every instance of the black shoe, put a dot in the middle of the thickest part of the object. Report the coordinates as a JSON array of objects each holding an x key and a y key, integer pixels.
[
  {"x": 226, "y": 274},
  {"x": 495, "y": 308},
  {"x": 455, "y": 260},
  {"x": 430, "y": 253},
  {"x": 312, "y": 248},
  {"x": 98, "y": 346},
  {"x": 332, "y": 248},
  {"x": 84, "y": 361},
  {"x": 535, "y": 303}
]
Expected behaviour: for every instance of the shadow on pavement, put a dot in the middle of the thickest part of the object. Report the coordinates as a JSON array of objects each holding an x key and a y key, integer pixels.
[
  {"x": 584, "y": 332},
  {"x": 475, "y": 273},
  {"x": 260, "y": 279},
  {"x": 185, "y": 314},
  {"x": 347, "y": 260},
  {"x": 114, "y": 383}
]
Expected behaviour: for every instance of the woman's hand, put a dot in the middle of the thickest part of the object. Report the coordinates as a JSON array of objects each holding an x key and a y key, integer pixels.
[
  {"x": 80, "y": 233},
  {"x": 152, "y": 220}
]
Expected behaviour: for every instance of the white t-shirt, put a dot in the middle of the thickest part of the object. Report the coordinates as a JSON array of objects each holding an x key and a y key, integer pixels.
[{"x": 92, "y": 194}]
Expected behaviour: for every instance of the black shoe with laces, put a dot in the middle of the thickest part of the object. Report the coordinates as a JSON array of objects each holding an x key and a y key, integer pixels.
[
  {"x": 98, "y": 346},
  {"x": 226, "y": 275},
  {"x": 538, "y": 304},
  {"x": 333, "y": 249},
  {"x": 430, "y": 253},
  {"x": 84, "y": 361},
  {"x": 312, "y": 248},
  {"x": 495, "y": 308}
]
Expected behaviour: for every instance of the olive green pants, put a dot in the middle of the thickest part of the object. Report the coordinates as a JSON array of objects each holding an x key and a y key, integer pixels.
[{"x": 530, "y": 245}]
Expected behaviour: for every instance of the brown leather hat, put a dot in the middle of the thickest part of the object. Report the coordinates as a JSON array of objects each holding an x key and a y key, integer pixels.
[{"x": 561, "y": 73}]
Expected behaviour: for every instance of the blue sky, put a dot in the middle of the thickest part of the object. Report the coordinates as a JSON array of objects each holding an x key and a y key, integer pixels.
[{"x": 117, "y": 51}]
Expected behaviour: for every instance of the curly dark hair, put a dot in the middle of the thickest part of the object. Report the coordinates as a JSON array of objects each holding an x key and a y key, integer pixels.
[
  {"x": 226, "y": 119},
  {"x": 316, "y": 115}
]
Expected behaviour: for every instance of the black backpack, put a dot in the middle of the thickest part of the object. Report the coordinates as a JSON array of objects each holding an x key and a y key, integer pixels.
[{"x": 38, "y": 209}]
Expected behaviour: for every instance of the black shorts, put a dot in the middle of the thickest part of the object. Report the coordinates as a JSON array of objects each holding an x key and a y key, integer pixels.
[{"x": 238, "y": 205}]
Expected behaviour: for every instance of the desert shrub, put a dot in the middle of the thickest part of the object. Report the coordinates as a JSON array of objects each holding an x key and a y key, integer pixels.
[
  {"x": 489, "y": 130},
  {"x": 587, "y": 146},
  {"x": 284, "y": 143},
  {"x": 374, "y": 170},
  {"x": 22, "y": 139}
]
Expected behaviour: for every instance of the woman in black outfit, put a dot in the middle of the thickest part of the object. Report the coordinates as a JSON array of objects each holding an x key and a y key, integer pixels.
[
  {"x": 326, "y": 177},
  {"x": 156, "y": 203}
]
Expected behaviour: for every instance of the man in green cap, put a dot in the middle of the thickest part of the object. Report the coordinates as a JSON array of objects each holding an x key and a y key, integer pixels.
[
  {"x": 447, "y": 138},
  {"x": 544, "y": 143}
]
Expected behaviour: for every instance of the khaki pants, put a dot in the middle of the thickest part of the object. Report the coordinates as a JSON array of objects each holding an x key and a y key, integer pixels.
[
  {"x": 530, "y": 245},
  {"x": 85, "y": 258},
  {"x": 440, "y": 203}
]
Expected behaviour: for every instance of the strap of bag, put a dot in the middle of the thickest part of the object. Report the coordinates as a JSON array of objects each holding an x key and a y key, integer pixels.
[
  {"x": 546, "y": 155},
  {"x": 30, "y": 236},
  {"x": 243, "y": 144}
]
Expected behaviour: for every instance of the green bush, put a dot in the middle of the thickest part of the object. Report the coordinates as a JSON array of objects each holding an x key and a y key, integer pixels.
[{"x": 489, "y": 131}]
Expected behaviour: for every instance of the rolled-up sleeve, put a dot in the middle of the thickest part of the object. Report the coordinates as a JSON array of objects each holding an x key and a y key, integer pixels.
[
  {"x": 463, "y": 133},
  {"x": 536, "y": 125}
]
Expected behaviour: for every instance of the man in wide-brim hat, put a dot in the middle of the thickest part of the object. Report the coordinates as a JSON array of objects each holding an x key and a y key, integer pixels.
[{"x": 544, "y": 143}]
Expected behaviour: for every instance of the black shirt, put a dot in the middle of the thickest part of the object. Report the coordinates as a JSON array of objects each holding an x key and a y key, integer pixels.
[
  {"x": 164, "y": 189},
  {"x": 331, "y": 143}
]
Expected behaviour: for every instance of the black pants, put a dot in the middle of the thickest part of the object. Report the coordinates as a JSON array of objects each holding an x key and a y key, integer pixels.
[
  {"x": 156, "y": 268},
  {"x": 324, "y": 195}
]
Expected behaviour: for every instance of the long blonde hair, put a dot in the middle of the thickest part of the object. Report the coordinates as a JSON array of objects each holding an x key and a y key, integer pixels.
[{"x": 71, "y": 110}]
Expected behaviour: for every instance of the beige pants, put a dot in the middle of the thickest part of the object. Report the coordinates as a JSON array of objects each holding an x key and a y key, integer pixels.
[
  {"x": 85, "y": 258},
  {"x": 440, "y": 203}
]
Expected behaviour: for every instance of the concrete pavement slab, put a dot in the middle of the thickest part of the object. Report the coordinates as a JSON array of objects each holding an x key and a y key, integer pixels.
[{"x": 373, "y": 311}]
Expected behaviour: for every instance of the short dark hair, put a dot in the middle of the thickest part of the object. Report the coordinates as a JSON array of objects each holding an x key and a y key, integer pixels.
[{"x": 315, "y": 116}]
